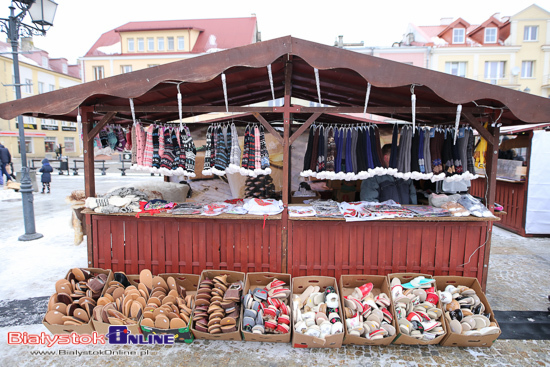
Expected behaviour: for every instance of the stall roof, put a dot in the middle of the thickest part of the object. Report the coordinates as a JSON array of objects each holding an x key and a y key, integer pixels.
[{"x": 343, "y": 77}]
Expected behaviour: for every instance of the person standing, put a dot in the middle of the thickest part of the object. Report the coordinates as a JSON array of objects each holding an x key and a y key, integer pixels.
[
  {"x": 59, "y": 151},
  {"x": 46, "y": 170},
  {"x": 5, "y": 159}
]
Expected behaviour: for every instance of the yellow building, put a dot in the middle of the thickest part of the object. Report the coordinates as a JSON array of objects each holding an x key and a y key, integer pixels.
[
  {"x": 38, "y": 74},
  {"x": 139, "y": 45},
  {"x": 510, "y": 51}
]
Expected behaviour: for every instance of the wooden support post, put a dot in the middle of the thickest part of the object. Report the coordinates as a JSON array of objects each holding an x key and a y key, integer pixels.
[
  {"x": 104, "y": 121},
  {"x": 286, "y": 162},
  {"x": 303, "y": 128},
  {"x": 491, "y": 172},
  {"x": 268, "y": 127},
  {"x": 89, "y": 178}
]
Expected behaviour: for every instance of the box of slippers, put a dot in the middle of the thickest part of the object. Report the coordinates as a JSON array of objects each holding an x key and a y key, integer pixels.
[
  {"x": 169, "y": 308},
  {"x": 71, "y": 308},
  {"x": 265, "y": 311},
  {"x": 469, "y": 317},
  {"x": 417, "y": 309},
  {"x": 125, "y": 309},
  {"x": 218, "y": 305},
  {"x": 316, "y": 313},
  {"x": 367, "y": 310}
]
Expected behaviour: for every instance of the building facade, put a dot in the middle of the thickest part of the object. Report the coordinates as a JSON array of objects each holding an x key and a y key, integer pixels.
[
  {"x": 512, "y": 52},
  {"x": 138, "y": 45},
  {"x": 39, "y": 74}
]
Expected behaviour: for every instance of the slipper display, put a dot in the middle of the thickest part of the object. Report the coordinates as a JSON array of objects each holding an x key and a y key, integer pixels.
[
  {"x": 316, "y": 313},
  {"x": 76, "y": 298},
  {"x": 266, "y": 309},
  {"x": 415, "y": 305},
  {"x": 367, "y": 315},
  {"x": 217, "y": 307}
]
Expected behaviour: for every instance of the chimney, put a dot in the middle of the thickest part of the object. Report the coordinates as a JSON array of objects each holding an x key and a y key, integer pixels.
[
  {"x": 446, "y": 21},
  {"x": 340, "y": 41},
  {"x": 27, "y": 44}
]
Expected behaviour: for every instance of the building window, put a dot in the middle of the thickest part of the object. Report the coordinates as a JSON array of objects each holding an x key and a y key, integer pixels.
[
  {"x": 141, "y": 44},
  {"x": 494, "y": 70},
  {"x": 45, "y": 62},
  {"x": 160, "y": 44},
  {"x": 170, "y": 43},
  {"x": 130, "y": 45},
  {"x": 527, "y": 69},
  {"x": 126, "y": 69},
  {"x": 530, "y": 33},
  {"x": 458, "y": 35},
  {"x": 181, "y": 43},
  {"x": 98, "y": 72},
  {"x": 65, "y": 69},
  {"x": 28, "y": 86},
  {"x": 28, "y": 145},
  {"x": 69, "y": 145},
  {"x": 40, "y": 87},
  {"x": 49, "y": 144},
  {"x": 52, "y": 87},
  {"x": 490, "y": 35},
  {"x": 456, "y": 68},
  {"x": 150, "y": 44}
]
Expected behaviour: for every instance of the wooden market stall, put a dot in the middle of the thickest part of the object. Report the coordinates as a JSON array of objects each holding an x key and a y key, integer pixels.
[
  {"x": 236, "y": 80},
  {"x": 512, "y": 190}
]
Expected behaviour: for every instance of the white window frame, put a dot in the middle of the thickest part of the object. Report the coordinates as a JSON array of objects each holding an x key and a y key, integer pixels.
[
  {"x": 65, "y": 69},
  {"x": 70, "y": 140},
  {"x": 140, "y": 44},
  {"x": 29, "y": 141},
  {"x": 160, "y": 43},
  {"x": 150, "y": 43},
  {"x": 528, "y": 31},
  {"x": 50, "y": 139},
  {"x": 459, "y": 66},
  {"x": 500, "y": 70},
  {"x": 125, "y": 69},
  {"x": 50, "y": 122},
  {"x": 40, "y": 87},
  {"x": 28, "y": 86},
  {"x": 45, "y": 62},
  {"x": 99, "y": 72},
  {"x": 170, "y": 44},
  {"x": 528, "y": 67},
  {"x": 490, "y": 38},
  {"x": 456, "y": 35},
  {"x": 51, "y": 87},
  {"x": 181, "y": 43},
  {"x": 131, "y": 46}
]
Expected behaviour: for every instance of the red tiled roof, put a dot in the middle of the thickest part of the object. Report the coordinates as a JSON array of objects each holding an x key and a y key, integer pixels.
[{"x": 229, "y": 32}]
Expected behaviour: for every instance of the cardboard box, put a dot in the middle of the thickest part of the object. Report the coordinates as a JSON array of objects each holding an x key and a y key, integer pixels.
[
  {"x": 182, "y": 335},
  {"x": 260, "y": 280},
  {"x": 347, "y": 285},
  {"x": 87, "y": 328},
  {"x": 299, "y": 285},
  {"x": 103, "y": 328},
  {"x": 301, "y": 199},
  {"x": 406, "y": 339},
  {"x": 232, "y": 277},
  {"x": 458, "y": 340}
]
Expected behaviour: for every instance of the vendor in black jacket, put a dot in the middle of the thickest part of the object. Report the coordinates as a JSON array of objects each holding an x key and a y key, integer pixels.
[{"x": 386, "y": 187}]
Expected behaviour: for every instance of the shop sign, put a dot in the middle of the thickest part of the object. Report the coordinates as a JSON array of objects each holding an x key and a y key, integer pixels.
[
  {"x": 49, "y": 127},
  {"x": 27, "y": 126},
  {"x": 68, "y": 128}
]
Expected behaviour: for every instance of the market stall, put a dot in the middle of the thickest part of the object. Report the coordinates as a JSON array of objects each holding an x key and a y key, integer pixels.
[
  {"x": 514, "y": 170},
  {"x": 236, "y": 81}
]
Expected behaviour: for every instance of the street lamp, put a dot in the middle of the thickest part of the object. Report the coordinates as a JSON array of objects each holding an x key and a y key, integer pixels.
[{"x": 42, "y": 13}]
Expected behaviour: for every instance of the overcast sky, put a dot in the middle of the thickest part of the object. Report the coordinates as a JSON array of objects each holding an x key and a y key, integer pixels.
[{"x": 79, "y": 23}]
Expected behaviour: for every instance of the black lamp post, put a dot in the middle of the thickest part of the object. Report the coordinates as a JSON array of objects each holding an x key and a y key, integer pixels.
[{"x": 42, "y": 13}]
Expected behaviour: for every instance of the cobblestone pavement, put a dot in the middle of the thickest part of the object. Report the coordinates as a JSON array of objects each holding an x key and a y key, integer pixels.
[{"x": 518, "y": 270}]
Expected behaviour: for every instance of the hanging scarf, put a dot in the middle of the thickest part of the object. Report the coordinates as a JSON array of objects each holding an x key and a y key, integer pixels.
[
  {"x": 149, "y": 147},
  {"x": 264, "y": 154},
  {"x": 394, "y": 147},
  {"x": 309, "y": 148},
  {"x": 246, "y": 152},
  {"x": 134, "y": 147},
  {"x": 421, "y": 151},
  {"x": 338, "y": 142},
  {"x": 470, "y": 152},
  {"x": 314, "y": 152},
  {"x": 257, "y": 151},
  {"x": 427, "y": 156},
  {"x": 331, "y": 150},
  {"x": 235, "y": 154},
  {"x": 177, "y": 151},
  {"x": 207, "y": 168},
  {"x": 321, "y": 151}
]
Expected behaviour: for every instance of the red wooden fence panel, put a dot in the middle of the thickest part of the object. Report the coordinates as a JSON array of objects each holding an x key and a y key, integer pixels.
[
  {"x": 383, "y": 247},
  {"x": 511, "y": 195},
  {"x": 182, "y": 245}
]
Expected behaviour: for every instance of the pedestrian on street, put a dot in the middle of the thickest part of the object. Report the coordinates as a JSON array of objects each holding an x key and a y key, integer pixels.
[
  {"x": 46, "y": 170},
  {"x": 59, "y": 151},
  {"x": 5, "y": 159}
]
